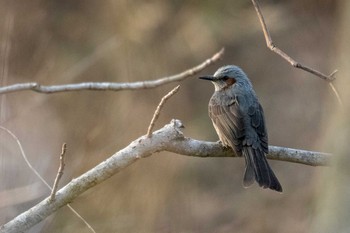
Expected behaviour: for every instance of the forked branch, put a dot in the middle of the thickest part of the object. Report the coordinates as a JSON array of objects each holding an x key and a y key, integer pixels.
[
  {"x": 270, "y": 44},
  {"x": 277, "y": 50}
]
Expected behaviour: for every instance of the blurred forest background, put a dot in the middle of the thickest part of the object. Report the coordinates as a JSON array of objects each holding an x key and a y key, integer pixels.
[{"x": 58, "y": 42}]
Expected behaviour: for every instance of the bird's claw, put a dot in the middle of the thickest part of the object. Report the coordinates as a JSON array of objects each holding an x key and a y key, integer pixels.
[{"x": 221, "y": 144}]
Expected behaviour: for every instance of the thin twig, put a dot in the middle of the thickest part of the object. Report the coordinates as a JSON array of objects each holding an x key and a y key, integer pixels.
[
  {"x": 159, "y": 108},
  {"x": 112, "y": 86},
  {"x": 25, "y": 156},
  {"x": 270, "y": 44},
  {"x": 59, "y": 173},
  {"x": 40, "y": 177}
]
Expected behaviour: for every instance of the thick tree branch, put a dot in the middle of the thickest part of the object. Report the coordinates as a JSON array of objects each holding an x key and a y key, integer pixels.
[
  {"x": 112, "y": 86},
  {"x": 169, "y": 138},
  {"x": 192, "y": 147}
]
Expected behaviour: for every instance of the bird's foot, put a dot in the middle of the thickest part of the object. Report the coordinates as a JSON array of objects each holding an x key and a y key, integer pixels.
[{"x": 222, "y": 144}]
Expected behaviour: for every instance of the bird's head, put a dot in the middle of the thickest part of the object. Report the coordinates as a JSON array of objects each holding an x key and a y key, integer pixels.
[{"x": 228, "y": 76}]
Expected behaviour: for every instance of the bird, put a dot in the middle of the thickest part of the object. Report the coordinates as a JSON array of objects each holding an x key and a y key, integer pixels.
[{"x": 238, "y": 119}]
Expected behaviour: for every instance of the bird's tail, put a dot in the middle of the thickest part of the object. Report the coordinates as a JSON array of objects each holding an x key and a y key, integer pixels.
[{"x": 258, "y": 168}]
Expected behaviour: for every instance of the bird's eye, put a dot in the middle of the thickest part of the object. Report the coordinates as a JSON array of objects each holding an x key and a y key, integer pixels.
[{"x": 229, "y": 81}]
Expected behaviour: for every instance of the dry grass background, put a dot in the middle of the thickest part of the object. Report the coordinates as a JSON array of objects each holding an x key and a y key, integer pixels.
[{"x": 57, "y": 42}]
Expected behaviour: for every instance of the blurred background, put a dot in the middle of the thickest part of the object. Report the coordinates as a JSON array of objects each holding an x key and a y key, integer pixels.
[{"x": 58, "y": 42}]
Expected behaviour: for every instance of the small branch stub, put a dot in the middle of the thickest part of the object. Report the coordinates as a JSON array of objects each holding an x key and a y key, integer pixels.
[{"x": 59, "y": 173}]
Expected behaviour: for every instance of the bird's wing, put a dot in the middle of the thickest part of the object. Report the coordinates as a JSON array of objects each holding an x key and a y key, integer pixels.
[
  {"x": 231, "y": 126},
  {"x": 257, "y": 122},
  {"x": 228, "y": 122},
  {"x": 255, "y": 146}
]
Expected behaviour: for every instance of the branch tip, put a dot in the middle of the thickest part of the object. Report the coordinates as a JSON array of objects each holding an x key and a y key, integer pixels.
[{"x": 332, "y": 75}]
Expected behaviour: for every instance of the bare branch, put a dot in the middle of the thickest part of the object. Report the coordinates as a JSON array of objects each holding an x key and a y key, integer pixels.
[
  {"x": 270, "y": 44},
  {"x": 275, "y": 49},
  {"x": 59, "y": 173},
  {"x": 112, "y": 86},
  {"x": 196, "y": 148},
  {"x": 41, "y": 178},
  {"x": 169, "y": 138},
  {"x": 159, "y": 108}
]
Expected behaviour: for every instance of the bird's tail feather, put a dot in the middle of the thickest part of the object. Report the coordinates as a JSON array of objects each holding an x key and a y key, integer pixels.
[{"x": 257, "y": 167}]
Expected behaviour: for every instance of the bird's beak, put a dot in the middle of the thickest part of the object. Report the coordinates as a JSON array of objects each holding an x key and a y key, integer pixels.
[{"x": 208, "y": 77}]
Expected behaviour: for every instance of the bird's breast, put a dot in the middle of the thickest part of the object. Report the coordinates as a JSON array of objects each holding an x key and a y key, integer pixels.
[{"x": 222, "y": 98}]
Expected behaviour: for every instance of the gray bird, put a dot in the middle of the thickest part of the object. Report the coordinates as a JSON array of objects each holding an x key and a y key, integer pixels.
[{"x": 238, "y": 119}]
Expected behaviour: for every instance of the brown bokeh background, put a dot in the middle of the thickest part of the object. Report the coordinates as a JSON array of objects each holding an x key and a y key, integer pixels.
[{"x": 58, "y": 42}]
